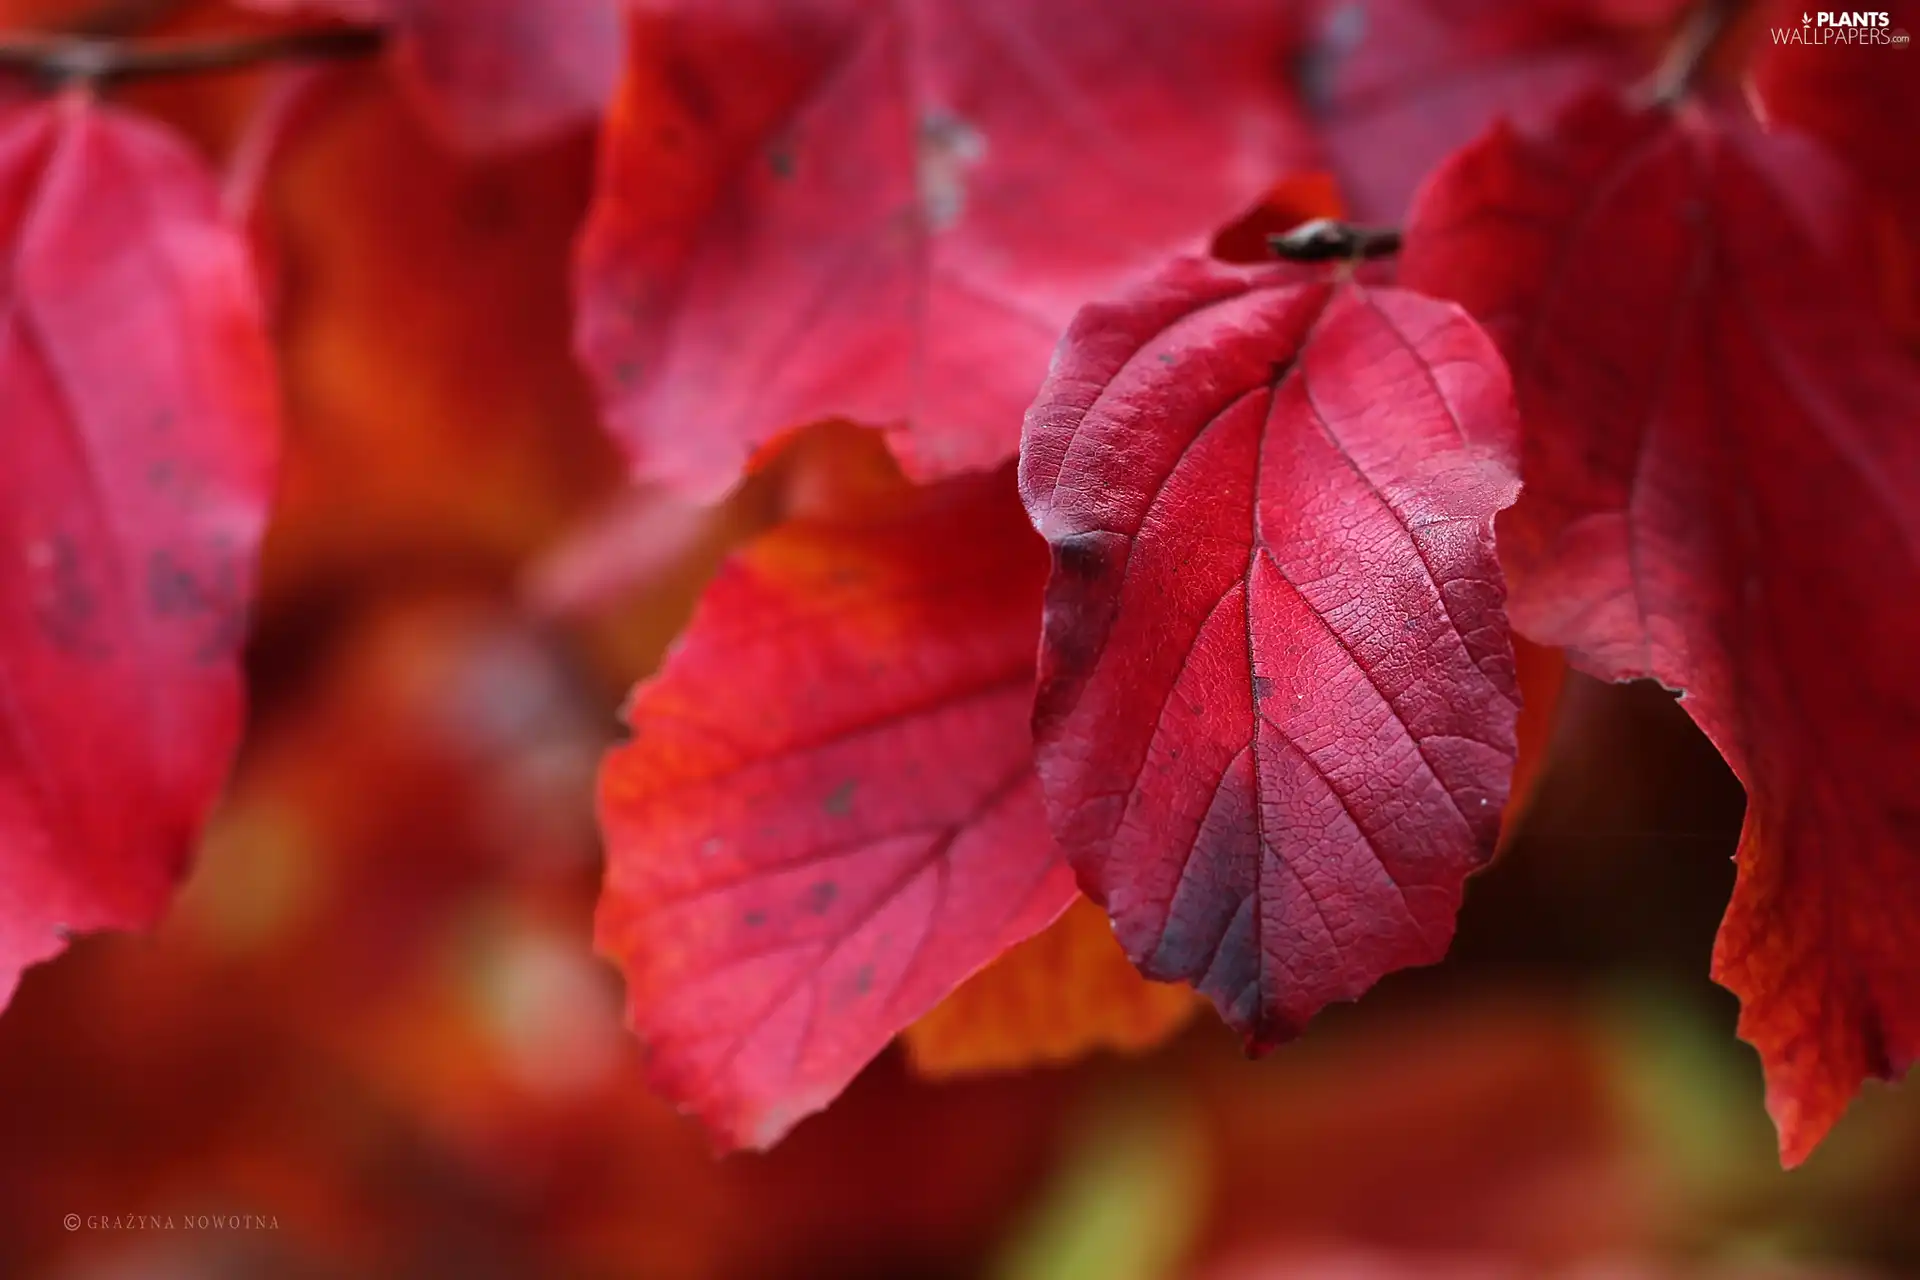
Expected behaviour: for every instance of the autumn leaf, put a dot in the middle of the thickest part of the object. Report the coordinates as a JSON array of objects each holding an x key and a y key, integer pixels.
[
  {"x": 1396, "y": 85},
  {"x": 1861, "y": 100},
  {"x": 140, "y": 437},
  {"x": 494, "y": 74},
  {"x": 435, "y": 409},
  {"x": 1060, "y": 995},
  {"x": 1720, "y": 463},
  {"x": 1276, "y": 711},
  {"x": 827, "y": 817},
  {"x": 1485, "y": 1121},
  {"x": 813, "y": 209}
]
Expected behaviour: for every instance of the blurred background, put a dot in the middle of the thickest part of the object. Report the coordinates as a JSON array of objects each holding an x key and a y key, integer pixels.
[{"x": 374, "y": 1019}]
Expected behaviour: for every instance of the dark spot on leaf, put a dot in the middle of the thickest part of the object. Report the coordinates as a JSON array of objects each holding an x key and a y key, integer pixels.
[
  {"x": 1079, "y": 614},
  {"x": 949, "y": 147},
  {"x": 172, "y": 589},
  {"x": 863, "y": 980},
  {"x": 839, "y": 801},
  {"x": 67, "y": 607},
  {"x": 754, "y": 919},
  {"x": 781, "y": 158},
  {"x": 821, "y": 896},
  {"x": 1262, "y": 687},
  {"x": 211, "y": 596},
  {"x": 1081, "y": 556},
  {"x": 1166, "y": 357}
]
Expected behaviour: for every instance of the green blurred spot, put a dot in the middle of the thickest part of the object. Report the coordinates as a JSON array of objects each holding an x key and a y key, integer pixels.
[{"x": 1127, "y": 1203}]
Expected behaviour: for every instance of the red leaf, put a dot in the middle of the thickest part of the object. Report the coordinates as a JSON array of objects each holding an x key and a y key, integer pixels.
[
  {"x": 1720, "y": 465},
  {"x": 852, "y": 208},
  {"x": 1861, "y": 100},
  {"x": 827, "y": 818},
  {"x": 140, "y": 431},
  {"x": 494, "y": 74},
  {"x": 1277, "y": 702},
  {"x": 1400, "y": 83}
]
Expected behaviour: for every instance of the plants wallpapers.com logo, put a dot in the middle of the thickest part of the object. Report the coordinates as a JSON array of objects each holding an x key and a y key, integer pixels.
[{"x": 1850, "y": 27}]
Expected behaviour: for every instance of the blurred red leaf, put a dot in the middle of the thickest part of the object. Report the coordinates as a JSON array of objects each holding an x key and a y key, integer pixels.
[
  {"x": 640, "y": 540},
  {"x": 436, "y": 412},
  {"x": 1451, "y": 1128},
  {"x": 1277, "y": 700},
  {"x": 494, "y": 74},
  {"x": 848, "y": 208},
  {"x": 1861, "y": 100},
  {"x": 1720, "y": 465},
  {"x": 140, "y": 441},
  {"x": 1398, "y": 84},
  {"x": 827, "y": 819}
]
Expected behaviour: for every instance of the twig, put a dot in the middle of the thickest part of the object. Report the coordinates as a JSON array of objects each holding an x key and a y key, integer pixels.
[
  {"x": 1696, "y": 39},
  {"x": 1329, "y": 240},
  {"x": 63, "y": 60}
]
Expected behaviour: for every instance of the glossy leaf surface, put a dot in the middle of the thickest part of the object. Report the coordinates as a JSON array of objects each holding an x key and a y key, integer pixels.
[
  {"x": 1721, "y": 465},
  {"x": 1277, "y": 698},
  {"x": 827, "y": 817}
]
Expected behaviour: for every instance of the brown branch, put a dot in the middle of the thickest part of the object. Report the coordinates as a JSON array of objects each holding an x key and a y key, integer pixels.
[
  {"x": 1329, "y": 240},
  {"x": 64, "y": 60}
]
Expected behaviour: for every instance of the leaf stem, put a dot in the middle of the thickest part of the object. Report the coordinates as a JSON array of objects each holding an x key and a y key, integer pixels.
[
  {"x": 1329, "y": 240},
  {"x": 1697, "y": 38},
  {"x": 64, "y": 60}
]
